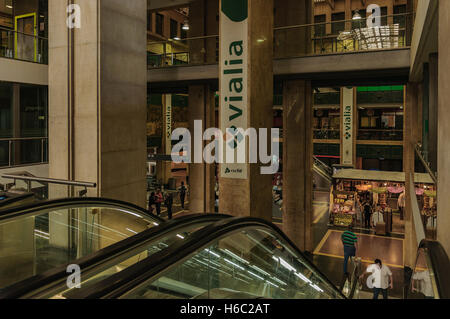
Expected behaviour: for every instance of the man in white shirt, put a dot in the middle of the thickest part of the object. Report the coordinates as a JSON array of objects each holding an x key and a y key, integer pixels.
[
  {"x": 381, "y": 278},
  {"x": 424, "y": 284}
]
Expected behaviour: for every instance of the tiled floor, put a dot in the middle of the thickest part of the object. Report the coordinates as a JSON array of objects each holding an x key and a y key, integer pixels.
[{"x": 329, "y": 255}]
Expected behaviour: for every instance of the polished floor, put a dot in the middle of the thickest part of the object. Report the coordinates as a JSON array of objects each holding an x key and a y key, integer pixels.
[{"x": 329, "y": 256}]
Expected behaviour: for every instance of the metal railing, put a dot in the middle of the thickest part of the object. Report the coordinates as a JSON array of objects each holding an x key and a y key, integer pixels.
[
  {"x": 23, "y": 151},
  {"x": 71, "y": 190},
  {"x": 426, "y": 164},
  {"x": 342, "y": 36},
  {"x": 22, "y": 46}
]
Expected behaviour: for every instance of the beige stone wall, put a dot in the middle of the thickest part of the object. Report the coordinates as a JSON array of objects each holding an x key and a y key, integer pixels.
[{"x": 97, "y": 108}]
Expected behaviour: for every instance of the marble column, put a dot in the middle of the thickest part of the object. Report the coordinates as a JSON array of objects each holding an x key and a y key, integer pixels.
[
  {"x": 252, "y": 196},
  {"x": 410, "y": 139},
  {"x": 443, "y": 129},
  {"x": 97, "y": 97},
  {"x": 201, "y": 175},
  {"x": 433, "y": 110},
  {"x": 297, "y": 163},
  {"x": 294, "y": 41}
]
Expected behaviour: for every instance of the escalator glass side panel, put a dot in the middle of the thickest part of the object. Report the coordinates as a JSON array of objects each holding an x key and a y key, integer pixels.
[
  {"x": 248, "y": 263},
  {"x": 123, "y": 261},
  {"x": 44, "y": 239},
  {"x": 430, "y": 278}
]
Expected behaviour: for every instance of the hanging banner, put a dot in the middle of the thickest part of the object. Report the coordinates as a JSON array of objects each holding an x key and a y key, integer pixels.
[
  {"x": 233, "y": 82},
  {"x": 347, "y": 126},
  {"x": 168, "y": 123}
]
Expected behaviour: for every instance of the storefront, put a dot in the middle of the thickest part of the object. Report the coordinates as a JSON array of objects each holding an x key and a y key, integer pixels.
[{"x": 385, "y": 193}]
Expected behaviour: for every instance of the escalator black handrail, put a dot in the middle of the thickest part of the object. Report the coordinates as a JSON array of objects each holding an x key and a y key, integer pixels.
[
  {"x": 32, "y": 208},
  {"x": 440, "y": 264},
  {"x": 149, "y": 268},
  {"x": 58, "y": 275}
]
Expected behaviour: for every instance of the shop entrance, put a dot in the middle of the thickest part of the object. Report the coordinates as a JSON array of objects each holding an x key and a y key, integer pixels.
[
  {"x": 374, "y": 201},
  {"x": 25, "y": 37}
]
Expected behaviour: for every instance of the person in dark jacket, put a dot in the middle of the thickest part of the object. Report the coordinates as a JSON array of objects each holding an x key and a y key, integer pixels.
[
  {"x": 169, "y": 202},
  {"x": 158, "y": 201},
  {"x": 151, "y": 202},
  {"x": 182, "y": 191}
]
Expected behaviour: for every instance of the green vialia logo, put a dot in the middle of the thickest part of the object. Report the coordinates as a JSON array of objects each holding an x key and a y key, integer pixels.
[{"x": 235, "y": 10}]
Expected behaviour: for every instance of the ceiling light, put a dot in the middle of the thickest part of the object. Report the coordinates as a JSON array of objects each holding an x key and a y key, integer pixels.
[
  {"x": 9, "y": 6},
  {"x": 357, "y": 16},
  {"x": 185, "y": 25},
  {"x": 177, "y": 39}
]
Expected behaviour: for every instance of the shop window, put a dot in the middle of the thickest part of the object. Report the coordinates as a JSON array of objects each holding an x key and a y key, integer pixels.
[
  {"x": 384, "y": 19},
  {"x": 159, "y": 24},
  {"x": 6, "y": 107},
  {"x": 173, "y": 29},
  {"x": 337, "y": 27},
  {"x": 400, "y": 20},
  {"x": 149, "y": 21},
  {"x": 320, "y": 30}
]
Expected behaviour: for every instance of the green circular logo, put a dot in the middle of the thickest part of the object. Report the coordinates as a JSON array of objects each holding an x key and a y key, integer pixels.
[{"x": 235, "y": 10}]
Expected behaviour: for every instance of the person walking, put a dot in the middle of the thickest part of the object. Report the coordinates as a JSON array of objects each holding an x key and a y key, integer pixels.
[
  {"x": 348, "y": 240},
  {"x": 169, "y": 202},
  {"x": 401, "y": 204},
  {"x": 158, "y": 200},
  {"x": 182, "y": 191},
  {"x": 381, "y": 278},
  {"x": 367, "y": 213},
  {"x": 151, "y": 202}
]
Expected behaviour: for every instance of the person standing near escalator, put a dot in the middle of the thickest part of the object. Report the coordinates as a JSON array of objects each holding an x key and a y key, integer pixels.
[
  {"x": 182, "y": 191},
  {"x": 169, "y": 202},
  {"x": 349, "y": 240},
  {"x": 158, "y": 200}
]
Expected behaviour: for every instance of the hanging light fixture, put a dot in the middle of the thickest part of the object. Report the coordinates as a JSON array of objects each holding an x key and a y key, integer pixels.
[
  {"x": 357, "y": 16},
  {"x": 185, "y": 25}
]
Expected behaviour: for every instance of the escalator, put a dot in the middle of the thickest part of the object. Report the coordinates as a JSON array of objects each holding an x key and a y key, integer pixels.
[
  {"x": 108, "y": 261},
  {"x": 193, "y": 257},
  {"x": 231, "y": 258},
  {"x": 44, "y": 235}
]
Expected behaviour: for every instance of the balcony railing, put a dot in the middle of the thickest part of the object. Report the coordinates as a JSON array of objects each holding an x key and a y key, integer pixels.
[
  {"x": 22, "y": 46},
  {"x": 23, "y": 151},
  {"x": 293, "y": 41},
  {"x": 380, "y": 135}
]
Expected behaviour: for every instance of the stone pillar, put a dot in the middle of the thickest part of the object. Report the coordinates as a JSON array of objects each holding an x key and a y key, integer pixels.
[
  {"x": 433, "y": 110},
  {"x": 16, "y": 149},
  {"x": 443, "y": 129},
  {"x": 292, "y": 42},
  {"x": 197, "y": 48},
  {"x": 348, "y": 14},
  {"x": 212, "y": 29},
  {"x": 425, "y": 110},
  {"x": 97, "y": 94},
  {"x": 201, "y": 176},
  {"x": 250, "y": 193},
  {"x": 203, "y": 22},
  {"x": 297, "y": 163},
  {"x": 410, "y": 138}
]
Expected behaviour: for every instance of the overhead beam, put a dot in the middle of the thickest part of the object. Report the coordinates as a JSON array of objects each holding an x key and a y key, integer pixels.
[
  {"x": 331, "y": 4},
  {"x": 166, "y": 4}
]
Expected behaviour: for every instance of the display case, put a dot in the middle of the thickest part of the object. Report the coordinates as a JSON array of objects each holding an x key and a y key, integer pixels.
[{"x": 343, "y": 208}]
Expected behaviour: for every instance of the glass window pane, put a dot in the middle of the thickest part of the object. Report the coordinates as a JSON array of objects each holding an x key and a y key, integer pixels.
[
  {"x": 247, "y": 264},
  {"x": 31, "y": 245}
]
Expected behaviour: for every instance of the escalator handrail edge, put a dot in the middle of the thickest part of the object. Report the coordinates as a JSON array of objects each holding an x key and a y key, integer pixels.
[
  {"x": 33, "y": 207},
  {"x": 59, "y": 274},
  {"x": 148, "y": 268},
  {"x": 441, "y": 265}
]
